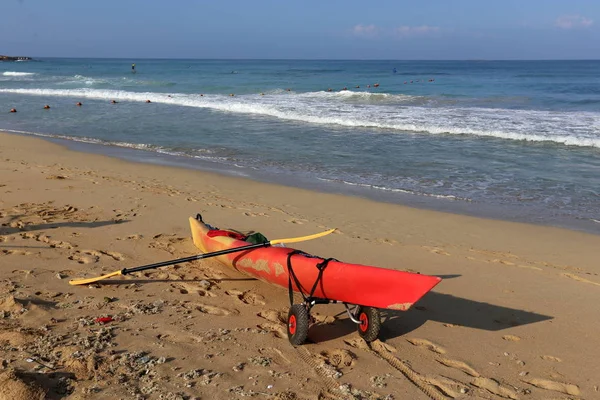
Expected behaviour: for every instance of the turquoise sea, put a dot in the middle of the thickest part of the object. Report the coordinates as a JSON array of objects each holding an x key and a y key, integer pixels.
[{"x": 513, "y": 140}]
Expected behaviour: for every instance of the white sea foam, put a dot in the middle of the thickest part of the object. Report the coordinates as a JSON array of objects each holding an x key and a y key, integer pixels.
[
  {"x": 137, "y": 146},
  {"x": 397, "y": 190},
  {"x": 14, "y": 73},
  {"x": 567, "y": 128}
]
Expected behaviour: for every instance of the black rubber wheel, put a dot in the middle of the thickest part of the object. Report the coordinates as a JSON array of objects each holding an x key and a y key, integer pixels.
[
  {"x": 297, "y": 324},
  {"x": 370, "y": 323}
]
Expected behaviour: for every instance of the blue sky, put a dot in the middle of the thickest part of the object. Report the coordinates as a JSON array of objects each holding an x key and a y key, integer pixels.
[{"x": 325, "y": 29}]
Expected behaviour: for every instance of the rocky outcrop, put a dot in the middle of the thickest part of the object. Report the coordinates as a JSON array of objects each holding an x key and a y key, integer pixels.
[{"x": 14, "y": 58}]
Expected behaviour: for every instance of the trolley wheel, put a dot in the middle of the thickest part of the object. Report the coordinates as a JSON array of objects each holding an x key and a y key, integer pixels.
[
  {"x": 370, "y": 323},
  {"x": 297, "y": 324}
]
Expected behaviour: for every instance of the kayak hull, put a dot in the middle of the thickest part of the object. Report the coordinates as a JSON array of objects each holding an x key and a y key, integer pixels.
[{"x": 344, "y": 282}]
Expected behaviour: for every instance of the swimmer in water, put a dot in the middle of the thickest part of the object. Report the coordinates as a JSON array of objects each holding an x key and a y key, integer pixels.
[
  {"x": 148, "y": 101},
  {"x": 13, "y": 110},
  {"x": 46, "y": 107},
  {"x": 113, "y": 102},
  {"x": 78, "y": 104}
]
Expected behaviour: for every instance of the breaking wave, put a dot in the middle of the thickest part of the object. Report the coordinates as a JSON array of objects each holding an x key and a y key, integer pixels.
[{"x": 405, "y": 115}]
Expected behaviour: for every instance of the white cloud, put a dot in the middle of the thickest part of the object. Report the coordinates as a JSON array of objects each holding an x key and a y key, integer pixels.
[
  {"x": 404, "y": 31},
  {"x": 365, "y": 30},
  {"x": 573, "y": 21}
]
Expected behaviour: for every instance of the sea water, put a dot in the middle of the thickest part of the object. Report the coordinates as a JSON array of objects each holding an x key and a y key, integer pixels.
[{"x": 514, "y": 140}]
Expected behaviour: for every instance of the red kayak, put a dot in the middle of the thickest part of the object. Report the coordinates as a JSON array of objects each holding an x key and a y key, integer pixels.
[{"x": 319, "y": 280}]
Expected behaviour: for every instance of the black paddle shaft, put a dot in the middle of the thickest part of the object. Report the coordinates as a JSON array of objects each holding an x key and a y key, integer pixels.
[{"x": 126, "y": 271}]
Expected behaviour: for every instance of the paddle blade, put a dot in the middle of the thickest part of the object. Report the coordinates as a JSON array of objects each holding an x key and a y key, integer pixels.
[
  {"x": 302, "y": 238},
  {"x": 92, "y": 280}
]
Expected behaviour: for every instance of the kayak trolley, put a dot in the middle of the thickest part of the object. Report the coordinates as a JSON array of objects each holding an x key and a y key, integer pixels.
[{"x": 367, "y": 319}]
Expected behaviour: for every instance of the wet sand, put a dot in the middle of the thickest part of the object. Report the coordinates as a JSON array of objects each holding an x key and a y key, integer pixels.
[{"x": 514, "y": 317}]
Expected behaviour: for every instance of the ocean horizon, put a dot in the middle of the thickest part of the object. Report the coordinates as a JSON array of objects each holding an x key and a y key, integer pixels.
[{"x": 503, "y": 139}]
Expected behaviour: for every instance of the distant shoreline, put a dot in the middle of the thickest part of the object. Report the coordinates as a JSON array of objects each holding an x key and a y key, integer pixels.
[
  {"x": 38, "y": 58},
  {"x": 14, "y": 58}
]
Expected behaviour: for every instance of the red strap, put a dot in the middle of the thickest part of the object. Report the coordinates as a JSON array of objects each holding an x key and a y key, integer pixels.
[{"x": 219, "y": 232}]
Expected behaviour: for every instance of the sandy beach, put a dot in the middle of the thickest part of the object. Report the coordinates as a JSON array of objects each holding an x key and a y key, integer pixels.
[{"x": 515, "y": 317}]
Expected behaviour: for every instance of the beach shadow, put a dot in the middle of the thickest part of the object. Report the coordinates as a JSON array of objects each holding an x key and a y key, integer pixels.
[
  {"x": 438, "y": 307},
  {"x": 6, "y": 230},
  {"x": 450, "y": 276},
  {"x": 147, "y": 281},
  {"x": 25, "y": 247},
  {"x": 25, "y": 302},
  {"x": 52, "y": 382}
]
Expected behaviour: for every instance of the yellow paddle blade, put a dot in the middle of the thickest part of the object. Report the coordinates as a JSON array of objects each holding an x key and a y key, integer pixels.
[
  {"x": 92, "y": 280},
  {"x": 302, "y": 238}
]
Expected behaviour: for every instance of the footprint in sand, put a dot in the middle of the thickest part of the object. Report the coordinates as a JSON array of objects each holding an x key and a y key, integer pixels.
[
  {"x": 137, "y": 236},
  {"x": 427, "y": 345},
  {"x": 441, "y": 384},
  {"x": 322, "y": 319},
  {"x": 493, "y": 386},
  {"x": 580, "y": 279},
  {"x": 168, "y": 244},
  {"x": 46, "y": 239},
  {"x": 17, "y": 224},
  {"x": 338, "y": 358},
  {"x": 451, "y": 325},
  {"x": 511, "y": 338},
  {"x": 15, "y": 253},
  {"x": 566, "y": 388},
  {"x": 436, "y": 250},
  {"x": 213, "y": 310},
  {"x": 391, "y": 242},
  {"x": 247, "y": 297},
  {"x": 448, "y": 387},
  {"x": 85, "y": 256},
  {"x": 357, "y": 343},
  {"x": 500, "y": 261},
  {"x": 551, "y": 358},
  {"x": 296, "y": 221},
  {"x": 115, "y": 256},
  {"x": 273, "y": 316},
  {"x": 278, "y": 330},
  {"x": 252, "y": 214},
  {"x": 185, "y": 288},
  {"x": 461, "y": 366},
  {"x": 379, "y": 346}
]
